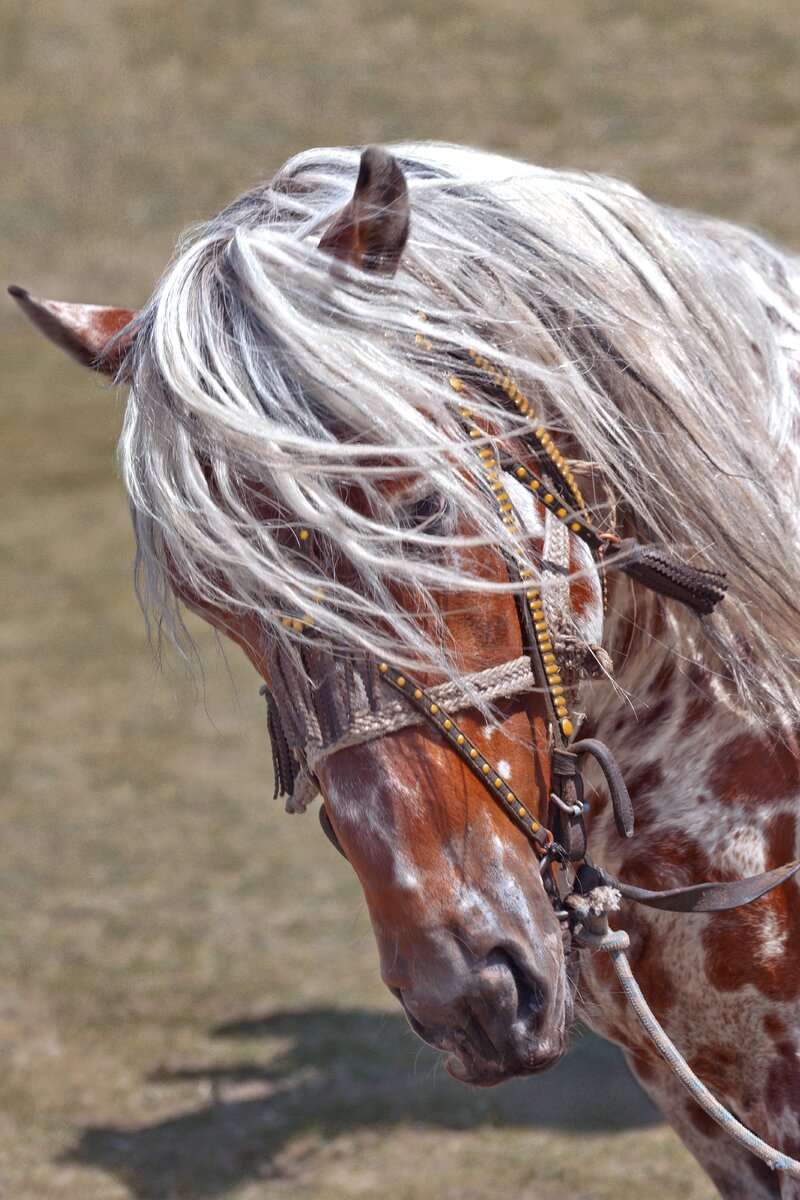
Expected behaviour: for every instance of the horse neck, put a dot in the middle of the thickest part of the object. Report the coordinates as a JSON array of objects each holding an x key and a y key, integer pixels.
[{"x": 695, "y": 763}]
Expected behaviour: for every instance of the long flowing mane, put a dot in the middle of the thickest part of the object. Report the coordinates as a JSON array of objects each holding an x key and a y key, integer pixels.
[{"x": 271, "y": 386}]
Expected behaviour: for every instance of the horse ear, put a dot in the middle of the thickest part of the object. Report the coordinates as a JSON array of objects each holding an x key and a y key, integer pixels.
[
  {"x": 84, "y": 331},
  {"x": 371, "y": 231}
]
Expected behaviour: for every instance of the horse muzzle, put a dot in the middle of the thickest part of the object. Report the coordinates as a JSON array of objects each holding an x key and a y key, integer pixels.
[{"x": 498, "y": 1017}]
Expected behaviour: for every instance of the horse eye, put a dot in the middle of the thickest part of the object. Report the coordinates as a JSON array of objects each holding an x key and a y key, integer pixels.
[{"x": 430, "y": 513}]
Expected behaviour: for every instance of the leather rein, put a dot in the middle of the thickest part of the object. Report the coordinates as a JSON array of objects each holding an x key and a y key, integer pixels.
[{"x": 558, "y": 832}]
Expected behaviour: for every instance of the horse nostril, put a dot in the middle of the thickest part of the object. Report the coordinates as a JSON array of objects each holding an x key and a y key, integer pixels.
[{"x": 530, "y": 994}]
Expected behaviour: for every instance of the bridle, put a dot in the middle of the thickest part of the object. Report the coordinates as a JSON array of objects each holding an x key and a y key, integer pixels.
[{"x": 557, "y": 831}]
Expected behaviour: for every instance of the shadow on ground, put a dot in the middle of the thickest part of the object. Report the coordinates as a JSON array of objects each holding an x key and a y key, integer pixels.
[{"x": 329, "y": 1072}]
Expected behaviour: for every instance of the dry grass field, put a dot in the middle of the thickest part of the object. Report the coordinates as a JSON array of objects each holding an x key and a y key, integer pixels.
[{"x": 190, "y": 1006}]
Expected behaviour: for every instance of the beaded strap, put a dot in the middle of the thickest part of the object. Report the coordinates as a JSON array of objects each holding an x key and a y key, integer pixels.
[
  {"x": 415, "y": 694},
  {"x": 550, "y": 670}
]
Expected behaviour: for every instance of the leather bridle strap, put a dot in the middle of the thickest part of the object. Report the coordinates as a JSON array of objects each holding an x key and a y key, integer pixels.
[{"x": 469, "y": 754}]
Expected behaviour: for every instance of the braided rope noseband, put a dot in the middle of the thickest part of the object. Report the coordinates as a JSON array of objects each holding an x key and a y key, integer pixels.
[{"x": 509, "y": 679}]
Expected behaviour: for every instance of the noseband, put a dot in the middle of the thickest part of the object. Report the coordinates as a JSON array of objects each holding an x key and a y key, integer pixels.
[{"x": 557, "y": 831}]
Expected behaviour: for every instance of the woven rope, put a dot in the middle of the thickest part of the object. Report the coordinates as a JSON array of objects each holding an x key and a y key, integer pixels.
[{"x": 495, "y": 683}]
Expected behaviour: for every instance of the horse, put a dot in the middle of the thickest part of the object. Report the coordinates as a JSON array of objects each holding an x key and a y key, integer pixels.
[{"x": 464, "y": 455}]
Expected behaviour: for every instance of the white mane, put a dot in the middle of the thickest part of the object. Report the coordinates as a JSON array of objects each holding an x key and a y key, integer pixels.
[{"x": 264, "y": 376}]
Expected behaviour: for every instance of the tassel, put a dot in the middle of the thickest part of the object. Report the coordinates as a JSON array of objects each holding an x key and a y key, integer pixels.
[
  {"x": 283, "y": 764},
  {"x": 661, "y": 572}
]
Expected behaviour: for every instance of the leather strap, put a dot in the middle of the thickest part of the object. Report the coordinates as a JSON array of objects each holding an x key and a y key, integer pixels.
[
  {"x": 620, "y": 799},
  {"x": 697, "y": 897}
]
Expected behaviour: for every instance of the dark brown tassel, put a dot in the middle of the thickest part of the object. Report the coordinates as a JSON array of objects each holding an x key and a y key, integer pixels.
[
  {"x": 661, "y": 572},
  {"x": 283, "y": 764}
]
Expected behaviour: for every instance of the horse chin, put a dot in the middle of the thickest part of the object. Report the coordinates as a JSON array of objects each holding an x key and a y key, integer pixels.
[
  {"x": 478, "y": 1071},
  {"x": 477, "y": 1059}
]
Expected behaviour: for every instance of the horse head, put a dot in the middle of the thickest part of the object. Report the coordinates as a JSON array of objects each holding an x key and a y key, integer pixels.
[{"x": 324, "y": 463}]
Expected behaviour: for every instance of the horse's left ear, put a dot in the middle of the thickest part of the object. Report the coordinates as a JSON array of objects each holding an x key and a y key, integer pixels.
[
  {"x": 84, "y": 331},
  {"x": 371, "y": 231}
]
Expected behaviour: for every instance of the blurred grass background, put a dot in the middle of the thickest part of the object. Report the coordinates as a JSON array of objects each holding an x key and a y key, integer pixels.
[{"x": 189, "y": 998}]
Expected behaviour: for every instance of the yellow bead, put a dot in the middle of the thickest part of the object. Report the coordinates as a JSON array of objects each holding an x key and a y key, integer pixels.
[
  {"x": 400, "y": 681},
  {"x": 461, "y": 739},
  {"x": 554, "y": 679},
  {"x": 303, "y": 535},
  {"x": 297, "y": 625},
  {"x": 567, "y": 728},
  {"x": 557, "y": 691},
  {"x": 539, "y": 433},
  {"x": 521, "y": 812},
  {"x": 548, "y": 658},
  {"x": 434, "y": 709},
  {"x": 448, "y": 724},
  {"x": 486, "y": 768},
  {"x": 535, "y": 485},
  {"x": 561, "y": 512},
  {"x": 498, "y": 782},
  {"x": 511, "y": 798},
  {"x": 455, "y": 383},
  {"x": 535, "y": 826},
  {"x": 287, "y": 621},
  {"x": 383, "y": 668},
  {"x": 551, "y": 669},
  {"x": 548, "y": 499},
  {"x": 473, "y": 753},
  {"x": 537, "y": 603},
  {"x": 417, "y": 694},
  {"x": 484, "y": 452},
  {"x": 575, "y": 527},
  {"x": 473, "y": 433}
]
